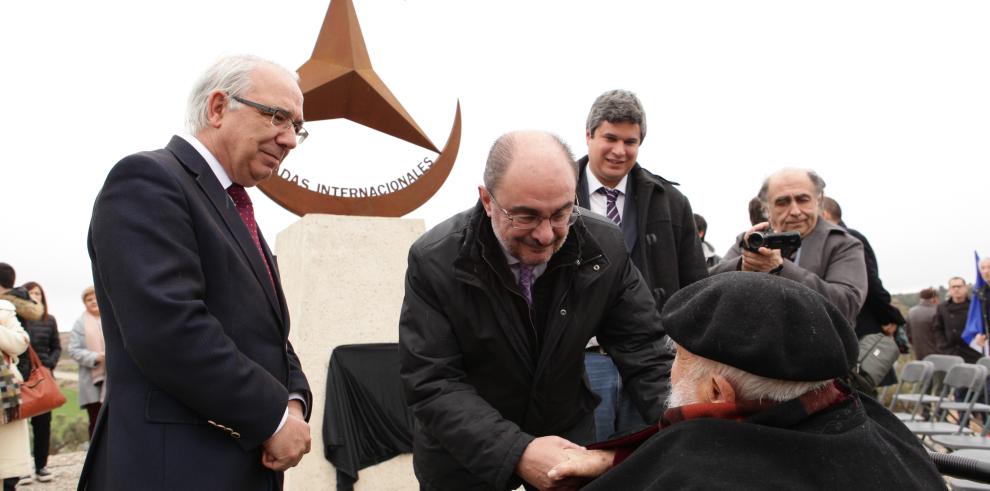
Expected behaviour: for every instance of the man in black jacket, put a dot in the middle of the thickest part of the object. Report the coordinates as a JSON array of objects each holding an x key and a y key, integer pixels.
[
  {"x": 500, "y": 302},
  {"x": 950, "y": 320},
  {"x": 657, "y": 225}
]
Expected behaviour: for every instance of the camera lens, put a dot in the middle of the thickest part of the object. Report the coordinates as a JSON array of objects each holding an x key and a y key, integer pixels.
[{"x": 755, "y": 240}]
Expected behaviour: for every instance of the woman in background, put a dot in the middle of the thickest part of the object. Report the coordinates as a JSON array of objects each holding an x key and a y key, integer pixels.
[
  {"x": 48, "y": 346},
  {"x": 87, "y": 348},
  {"x": 15, "y": 454}
]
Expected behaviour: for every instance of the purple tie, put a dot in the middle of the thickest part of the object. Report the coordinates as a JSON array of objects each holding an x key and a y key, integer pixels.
[
  {"x": 246, "y": 210},
  {"x": 612, "y": 211},
  {"x": 526, "y": 282}
]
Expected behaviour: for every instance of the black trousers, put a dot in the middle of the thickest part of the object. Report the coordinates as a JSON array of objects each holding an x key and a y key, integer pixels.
[
  {"x": 42, "y": 427},
  {"x": 10, "y": 483}
]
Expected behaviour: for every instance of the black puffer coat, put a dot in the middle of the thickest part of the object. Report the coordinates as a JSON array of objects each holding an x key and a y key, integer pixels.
[
  {"x": 483, "y": 378},
  {"x": 45, "y": 341}
]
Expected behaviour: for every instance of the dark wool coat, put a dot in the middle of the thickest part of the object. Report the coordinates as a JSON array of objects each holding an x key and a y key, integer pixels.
[
  {"x": 658, "y": 227},
  {"x": 484, "y": 376},
  {"x": 856, "y": 444}
]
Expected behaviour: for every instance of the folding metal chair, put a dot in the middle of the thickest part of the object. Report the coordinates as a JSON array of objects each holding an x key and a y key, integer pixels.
[
  {"x": 913, "y": 379},
  {"x": 942, "y": 364},
  {"x": 964, "y": 376},
  {"x": 975, "y": 405},
  {"x": 961, "y": 442}
]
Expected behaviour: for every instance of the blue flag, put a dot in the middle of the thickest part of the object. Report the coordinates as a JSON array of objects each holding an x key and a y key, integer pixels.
[{"x": 974, "y": 322}]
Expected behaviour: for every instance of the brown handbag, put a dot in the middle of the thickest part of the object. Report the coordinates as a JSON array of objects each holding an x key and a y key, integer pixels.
[{"x": 39, "y": 393}]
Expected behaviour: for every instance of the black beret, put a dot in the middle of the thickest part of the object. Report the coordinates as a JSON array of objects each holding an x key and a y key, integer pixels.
[{"x": 763, "y": 324}]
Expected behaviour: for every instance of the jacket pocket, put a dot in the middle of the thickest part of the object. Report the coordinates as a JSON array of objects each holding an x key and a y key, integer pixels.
[{"x": 162, "y": 408}]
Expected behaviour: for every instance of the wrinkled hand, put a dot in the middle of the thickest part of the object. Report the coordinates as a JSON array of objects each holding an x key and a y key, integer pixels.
[
  {"x": 286, "y": 448},
  {"x": 582, "y": 463},
  {"x": 540, "y": 456}
]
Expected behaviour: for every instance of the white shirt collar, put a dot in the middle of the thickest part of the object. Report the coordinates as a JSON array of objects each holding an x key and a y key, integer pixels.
[
  {"x": 212, "y": 161},
  {"x": 594, "y": 183}
]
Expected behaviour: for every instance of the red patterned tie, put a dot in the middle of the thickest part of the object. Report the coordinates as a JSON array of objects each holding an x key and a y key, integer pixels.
[{"x": 246, "y": 210}]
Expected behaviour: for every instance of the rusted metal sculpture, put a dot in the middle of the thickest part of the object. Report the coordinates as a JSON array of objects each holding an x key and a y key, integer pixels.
[{"x": 339, "y": 82}]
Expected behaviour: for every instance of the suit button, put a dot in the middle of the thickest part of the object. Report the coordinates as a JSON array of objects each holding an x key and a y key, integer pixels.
[
  {"x": 596, "y": 267},
  {"x": 563, "y": 311}
]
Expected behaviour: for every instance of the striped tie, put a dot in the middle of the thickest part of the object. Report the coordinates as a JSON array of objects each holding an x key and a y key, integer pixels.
[
  {"x": 611, "y": 210},
  {"x": 526, "y": 282}
]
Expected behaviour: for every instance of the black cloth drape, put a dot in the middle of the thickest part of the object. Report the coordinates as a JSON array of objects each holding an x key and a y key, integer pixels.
[{"x": 366, "y": 421}]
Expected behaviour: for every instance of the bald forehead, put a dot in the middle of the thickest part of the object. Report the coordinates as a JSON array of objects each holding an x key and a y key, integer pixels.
[
  {"x": 789, "y": 177},
  {"x": 539, "y": 153}
]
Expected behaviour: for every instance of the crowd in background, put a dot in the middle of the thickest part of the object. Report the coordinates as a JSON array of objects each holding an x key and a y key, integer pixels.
[{"x": 26, "y": 324}]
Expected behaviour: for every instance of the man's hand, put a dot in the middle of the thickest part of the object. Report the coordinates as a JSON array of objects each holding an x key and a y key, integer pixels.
[
  {"x": 582, "y": 463},
  {"x": 980, "y": 340},
  {"x": 540, "y": 456},
  {"x": 286, "y": 448},
  {"x": 763, "y": 260}
]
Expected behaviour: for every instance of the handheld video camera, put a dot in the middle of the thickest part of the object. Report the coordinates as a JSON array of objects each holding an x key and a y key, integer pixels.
[{"x": 787, "y": 242}]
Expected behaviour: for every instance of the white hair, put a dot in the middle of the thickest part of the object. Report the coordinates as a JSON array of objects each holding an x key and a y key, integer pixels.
[
  {"x": 696, "y": 369},
  {"x": 231, "y": 75}
]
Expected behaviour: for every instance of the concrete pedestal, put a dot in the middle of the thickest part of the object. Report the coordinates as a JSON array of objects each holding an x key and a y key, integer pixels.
[{"x": 344, "y": 282}]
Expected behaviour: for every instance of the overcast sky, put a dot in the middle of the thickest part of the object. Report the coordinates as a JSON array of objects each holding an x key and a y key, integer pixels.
[{"x": 888, "y": 100}]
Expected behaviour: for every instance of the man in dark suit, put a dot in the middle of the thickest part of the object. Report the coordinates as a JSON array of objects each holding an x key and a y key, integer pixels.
[
  {"x": 203, "y": 389},
  {"x": 657, "y": 224}
]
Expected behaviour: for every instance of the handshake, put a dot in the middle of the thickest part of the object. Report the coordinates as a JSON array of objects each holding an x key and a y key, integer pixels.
[{"x": 551, "y": 463}]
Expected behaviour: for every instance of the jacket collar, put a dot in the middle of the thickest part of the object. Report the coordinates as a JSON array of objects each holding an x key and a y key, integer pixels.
[
  {"x": 480, "y": 246},
  {"x": 210, "y": 185}
]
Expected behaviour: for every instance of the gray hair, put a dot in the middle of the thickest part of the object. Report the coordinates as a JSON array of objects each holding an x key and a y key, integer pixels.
[
  {"x": 617, "y": 106},
  {"x": 813, "y": 176},
  {"x": 231, "y": 75},
  {"x": 748, "y": 386},
  {"x": 502, "y": 152}
]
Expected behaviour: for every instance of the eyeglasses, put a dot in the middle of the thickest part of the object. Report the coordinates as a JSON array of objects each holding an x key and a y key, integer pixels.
[
  {"x": 280, "y": 118},
  {"x": 561, "y": 219}
]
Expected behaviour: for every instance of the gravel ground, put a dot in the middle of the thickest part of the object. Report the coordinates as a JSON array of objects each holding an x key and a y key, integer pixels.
[{"x": 66, "y": 469}]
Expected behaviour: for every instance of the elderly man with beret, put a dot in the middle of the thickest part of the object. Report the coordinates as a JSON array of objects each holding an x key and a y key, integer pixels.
[{"x": 758, "y": 402}]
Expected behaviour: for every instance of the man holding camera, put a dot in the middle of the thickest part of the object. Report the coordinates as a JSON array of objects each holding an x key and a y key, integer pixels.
[{"x": 828, "y": 260}]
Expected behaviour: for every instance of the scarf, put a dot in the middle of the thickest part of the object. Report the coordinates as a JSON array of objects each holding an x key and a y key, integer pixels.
[
  {"x": 10, "y": 393},
  {"x": 763, "y": 412},
  {"x": 93, "y": 330}
]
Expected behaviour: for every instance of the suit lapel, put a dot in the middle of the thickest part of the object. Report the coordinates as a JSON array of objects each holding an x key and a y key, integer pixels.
[
  {"x": 225, "y": 208},
  {"x": 283, "y": 308},
  {"x": 584, "y": 201}
]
